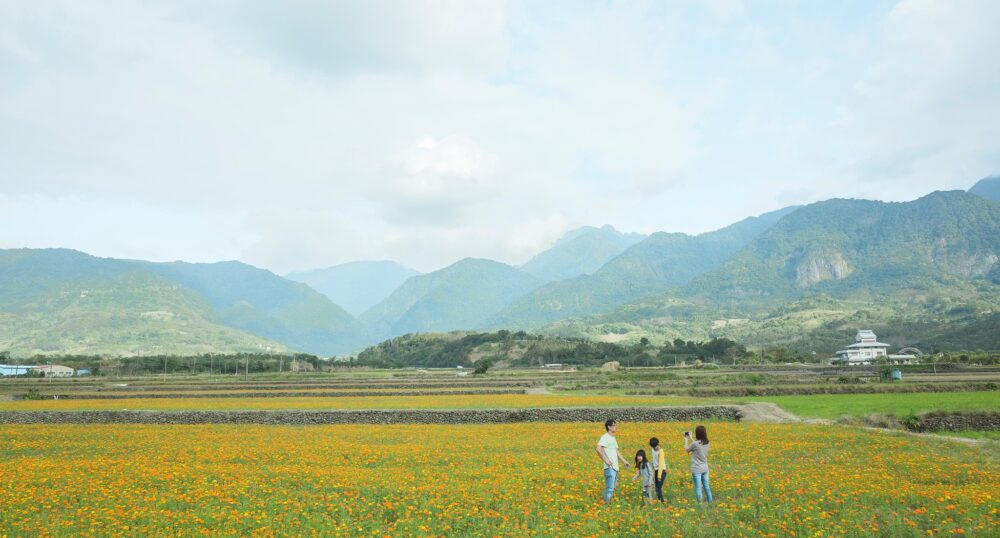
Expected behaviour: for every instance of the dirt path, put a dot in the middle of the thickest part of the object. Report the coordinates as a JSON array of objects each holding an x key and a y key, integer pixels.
[
  {"x": 766, "y": 412},
  {"x": 771, "y": 413}
]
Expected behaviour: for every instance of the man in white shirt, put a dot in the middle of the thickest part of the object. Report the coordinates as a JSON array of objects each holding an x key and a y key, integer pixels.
[{"x": 607, "y": 449}]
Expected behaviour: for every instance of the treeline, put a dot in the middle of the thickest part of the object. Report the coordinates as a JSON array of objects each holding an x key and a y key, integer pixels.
[
  {"x": 523, "y": 349},
  {"x": 209, "y": 363}
]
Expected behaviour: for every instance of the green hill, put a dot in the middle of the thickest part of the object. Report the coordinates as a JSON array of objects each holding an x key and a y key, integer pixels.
[
  {"x": 580, "y": 252},
  {"x": 262, "y": 303},
  {"x": 659, "y": 262},
  {"x": 464, "y": 295},
  {"x": 356, "y": 286},
  {"x": 64, "y": 301},
  {"x": 924, "y": 272}
]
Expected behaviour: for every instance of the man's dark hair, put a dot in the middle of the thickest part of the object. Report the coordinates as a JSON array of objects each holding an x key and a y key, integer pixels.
[
  {"x": 608, "y": 423},
  {"x": 654, "y": 442}
]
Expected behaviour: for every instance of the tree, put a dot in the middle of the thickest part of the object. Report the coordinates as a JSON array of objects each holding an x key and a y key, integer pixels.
[{"x": 482, "y": 365}]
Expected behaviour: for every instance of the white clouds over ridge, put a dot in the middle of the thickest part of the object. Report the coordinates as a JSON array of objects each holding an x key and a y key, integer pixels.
[{"x": 321, "y": 132}]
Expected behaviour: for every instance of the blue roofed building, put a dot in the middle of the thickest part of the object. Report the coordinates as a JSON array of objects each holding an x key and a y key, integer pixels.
[{"x": 12, "y": 370}]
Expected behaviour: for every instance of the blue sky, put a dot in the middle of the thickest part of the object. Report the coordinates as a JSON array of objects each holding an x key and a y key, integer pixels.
[{"x": 304, "y": 134}]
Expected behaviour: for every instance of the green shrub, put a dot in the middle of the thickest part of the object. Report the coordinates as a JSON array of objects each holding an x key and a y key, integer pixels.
[
  {"x": 911, "y": 422},
  {"x": 754, "y": 379}
]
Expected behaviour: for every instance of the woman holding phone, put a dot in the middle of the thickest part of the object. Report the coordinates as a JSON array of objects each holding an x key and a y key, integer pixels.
[{"x": 698, "y": 448}]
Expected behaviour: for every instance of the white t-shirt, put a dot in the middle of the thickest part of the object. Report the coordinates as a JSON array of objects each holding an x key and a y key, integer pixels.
[{"x": 610, "y": 445}]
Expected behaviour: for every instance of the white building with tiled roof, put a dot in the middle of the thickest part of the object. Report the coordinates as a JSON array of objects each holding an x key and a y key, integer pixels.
[{"x": 865, "y": 350}]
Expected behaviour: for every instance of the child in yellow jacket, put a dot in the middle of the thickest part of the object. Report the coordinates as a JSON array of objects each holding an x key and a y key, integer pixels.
[{"x": 659, "y": 460}]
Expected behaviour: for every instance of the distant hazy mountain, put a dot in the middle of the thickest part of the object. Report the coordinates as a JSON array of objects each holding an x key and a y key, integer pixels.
[
  {"x": 988, "y": 187},
  {"x": 657, "y": 263},
  {"x": 463, "y": 295},
  {"x": 62, "y": 301},
  {"x": 260, "y": 302},
  {"x": 356, "y": 286},
  {"x": 925, "y": 272},
  {"x": 580, "y": 252}
]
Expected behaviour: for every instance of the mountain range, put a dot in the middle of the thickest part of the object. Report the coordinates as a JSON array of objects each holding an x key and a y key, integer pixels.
[
  {"x": 923, "y": 272},
  {"x": 356, "y": 286},
  {"x": 64, "y": 301}
]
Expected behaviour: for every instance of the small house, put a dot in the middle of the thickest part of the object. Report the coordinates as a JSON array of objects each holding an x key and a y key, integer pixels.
[{"x": 54, "y": 370}]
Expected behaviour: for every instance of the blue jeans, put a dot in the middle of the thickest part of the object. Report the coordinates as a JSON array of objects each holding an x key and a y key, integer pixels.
[
  {"x": 701, "y": 480},
  {"x": 610, "y": 480},
  {"x": 659, "y": 483}
]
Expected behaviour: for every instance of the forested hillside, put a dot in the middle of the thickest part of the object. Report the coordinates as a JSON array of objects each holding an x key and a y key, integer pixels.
[
  {"x": 659, "y": 262},
  {"x": 922, "y": 272}
]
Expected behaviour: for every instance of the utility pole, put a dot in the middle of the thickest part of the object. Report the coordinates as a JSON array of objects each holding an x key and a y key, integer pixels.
[{"x": 164, "y": 368}]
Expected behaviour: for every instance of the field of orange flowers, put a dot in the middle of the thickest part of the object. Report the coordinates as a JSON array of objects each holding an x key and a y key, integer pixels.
[{"x": 513, "y": 480}]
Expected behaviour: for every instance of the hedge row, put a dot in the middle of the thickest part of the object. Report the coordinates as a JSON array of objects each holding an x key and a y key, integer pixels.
[{"x": 470, "y": 416}]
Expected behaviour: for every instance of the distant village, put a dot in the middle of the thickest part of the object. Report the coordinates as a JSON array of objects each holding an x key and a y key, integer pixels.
[{"x": 47, "y": 370}]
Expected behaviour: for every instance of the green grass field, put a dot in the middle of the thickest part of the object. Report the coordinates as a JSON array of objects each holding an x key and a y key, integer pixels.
[{"x": 833, "y": 406}]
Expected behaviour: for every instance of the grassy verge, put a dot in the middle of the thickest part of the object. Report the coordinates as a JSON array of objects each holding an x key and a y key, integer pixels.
[
  {"x": 832, "y": 406},
  {"x": 973, "y": 434}
]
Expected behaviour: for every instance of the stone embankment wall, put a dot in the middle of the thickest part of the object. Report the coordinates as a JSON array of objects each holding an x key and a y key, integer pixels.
[
  {"x": 938, "y": 421},
  {"x": 451, "y": 416},
  {"x": 290, "y": 394}
]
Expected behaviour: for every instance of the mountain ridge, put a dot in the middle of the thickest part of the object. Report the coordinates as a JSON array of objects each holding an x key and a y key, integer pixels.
[{"x": 356, "y": 286}]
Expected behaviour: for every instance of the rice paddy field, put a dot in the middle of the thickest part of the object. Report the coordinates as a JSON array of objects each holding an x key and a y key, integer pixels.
[
  {"x": 481, "y": 480},
  {"x": 440, "y": 401}
]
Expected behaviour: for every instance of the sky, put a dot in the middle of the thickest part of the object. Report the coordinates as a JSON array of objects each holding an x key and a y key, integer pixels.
[{"x": 304, "y": 134}]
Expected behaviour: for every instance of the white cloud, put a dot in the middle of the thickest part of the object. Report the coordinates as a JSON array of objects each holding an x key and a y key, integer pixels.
[
  {"x": 925, "y": 113},
  {"x": 370, "y": 37},
  {"x": 314, "y": 133}
]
